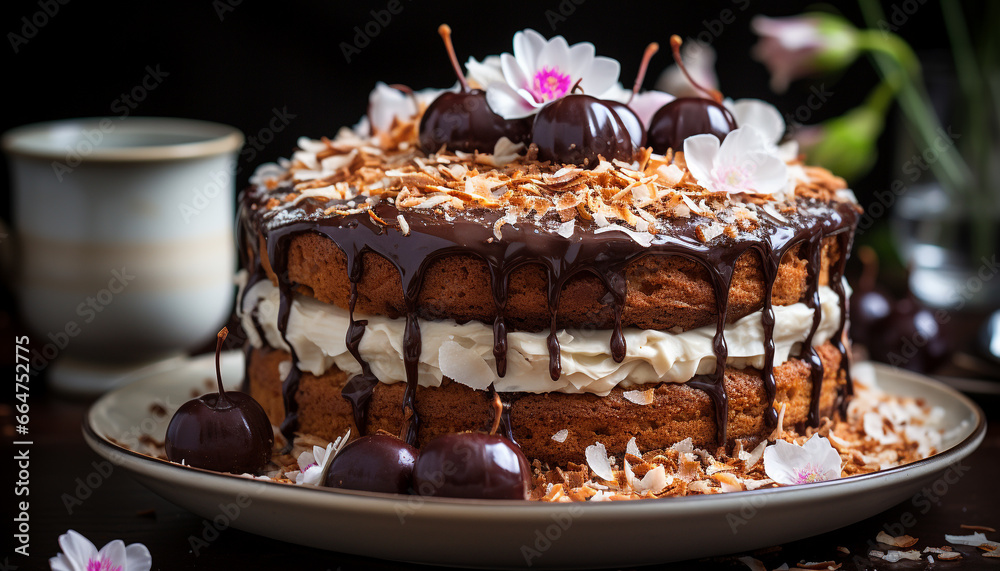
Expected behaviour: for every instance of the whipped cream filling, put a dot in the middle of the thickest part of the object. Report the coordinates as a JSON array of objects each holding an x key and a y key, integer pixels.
[{"x": 463, "y": 352}]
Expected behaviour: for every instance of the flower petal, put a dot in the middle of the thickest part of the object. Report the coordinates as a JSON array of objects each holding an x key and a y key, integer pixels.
[
  {"x": 769, "y": 174},
  {"x": 507, "y": 103},
  {"x": 700, "y": 152},
  {"x": 788, "y": 463},
  {"x": 739, "y": 143},
  {"x": 484, "y": 73},
  {"x": 114, "y": 554},
  {"x": 647, "y": 103},
  {"x": 603, "y": 73},
  {"x": 762, "y": 116},
  {"x": 137, "y": 558},
  {"x": 386, "y": 104},
  {"x": 555, "y": 55},
  {"x": 61, "y": 563},
  {"x": 527, "y": 45},
  {"x": 78, "y": 549},
  {"x": 581, "y": 55},
  {"x": 513, "y": 72}
]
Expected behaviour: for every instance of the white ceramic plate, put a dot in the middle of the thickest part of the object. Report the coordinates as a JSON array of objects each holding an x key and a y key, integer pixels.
[{"x": 481, "y": 533}]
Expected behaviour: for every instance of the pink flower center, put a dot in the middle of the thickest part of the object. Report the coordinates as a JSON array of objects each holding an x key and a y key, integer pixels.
[
  {"x": 808, "y": 475},
  {"x": 104, "y": 564},
  {"x": 549, "y": 84},
  {"x": 733, "y": 178}
]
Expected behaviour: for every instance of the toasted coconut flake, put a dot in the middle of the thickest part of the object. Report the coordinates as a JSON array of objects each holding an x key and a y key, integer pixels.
[
  {"x": 975, "y": 540},
  {"x": 949, "y": 556},
  {"x": 561, "y": 435},
  {"x": 990, "y": 547},
  {"x": 632, "y": 448},
  {"x": 978, "y": 528},
  {"x": 644, "y": 239},
  {"x": 639, "y": 397},
  {"x": 566, "y": 228},
  {"x": 818, "y": 565},
  {"x": 843, "y": 550},
  {"x": 899, "y": 541},
  {"x": 599, "y": 462},
  {"x": 404, "y": 226}
]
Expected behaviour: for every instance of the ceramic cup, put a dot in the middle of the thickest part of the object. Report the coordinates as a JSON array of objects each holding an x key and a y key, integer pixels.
[{"x": 124, "y": 241}]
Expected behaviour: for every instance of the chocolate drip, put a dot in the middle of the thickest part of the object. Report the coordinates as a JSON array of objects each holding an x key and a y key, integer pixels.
[
  {"x": 814, "y": 248},
  {"x": 714, "y": 383},
  {"x": 358, "y": 390},
  {"x": 434, "y": 234},
  {"x": 618, "y": 288},
  {"x": 769, "y": 262},
  {"x": 290, "y": 385},
  {"x": 844, "y": 240}
]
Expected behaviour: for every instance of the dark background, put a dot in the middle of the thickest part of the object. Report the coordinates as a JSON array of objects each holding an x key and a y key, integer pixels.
[{"x": 236, "y": 64}]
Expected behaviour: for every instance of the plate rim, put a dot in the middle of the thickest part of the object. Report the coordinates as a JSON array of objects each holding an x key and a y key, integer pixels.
[{"x": 960, "y": 449}]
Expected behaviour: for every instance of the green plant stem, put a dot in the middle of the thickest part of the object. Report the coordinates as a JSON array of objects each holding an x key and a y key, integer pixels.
[
  {"x": 949, "y": 168},
  {"x": 891, "y": 55},
  {"x": 969, "y": 78}
]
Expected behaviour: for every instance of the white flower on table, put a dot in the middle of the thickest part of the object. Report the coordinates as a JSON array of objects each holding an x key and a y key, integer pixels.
[
  {"x": 79, "y": 554},
  {"x": 788, "y": 463},
  {"x": 741, "y": 163},
  {"x": 543, "y": 70}
]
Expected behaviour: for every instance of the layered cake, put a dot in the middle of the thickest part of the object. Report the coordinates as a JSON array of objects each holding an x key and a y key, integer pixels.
[{"x": 611, "y": 264}]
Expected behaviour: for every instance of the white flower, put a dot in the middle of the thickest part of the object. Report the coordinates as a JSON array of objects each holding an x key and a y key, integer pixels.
[
  {"x": 766, "y": 118},
  {"x": 788, "y": 463},
  {"x": 699, "y": 59},
  {"x": 484, "y": 73},
  {"x": 79, "y": 554},
  {"x": 388, "y": 103},
  {"x": 544, "y": 70},
  {"x": 313, "y": 464},
  {"x": 742, "y": 163},
  {"x": 647, "y": 103}
]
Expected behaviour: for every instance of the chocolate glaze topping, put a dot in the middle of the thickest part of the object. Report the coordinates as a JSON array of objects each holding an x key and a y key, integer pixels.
[{"x": 434, "y": 234}]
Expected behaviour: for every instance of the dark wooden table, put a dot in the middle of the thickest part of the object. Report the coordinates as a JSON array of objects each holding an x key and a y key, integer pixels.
[{"x": 120, "y": 508}]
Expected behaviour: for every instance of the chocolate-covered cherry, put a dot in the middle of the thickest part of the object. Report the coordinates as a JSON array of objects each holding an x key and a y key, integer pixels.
[
  {"x": 870, "y": 304},
  {"x": 631, "y": 121},
  {"x": 472, "y": 465},
  {"x": 373, "y": 463},
  {"x": 463, "y": 121},
  {"x": 688, "y": 116},
  {"x": 910, "y": 338},
  {"x": 224, "y": 431},
  {"x": 577, "y": 128}
]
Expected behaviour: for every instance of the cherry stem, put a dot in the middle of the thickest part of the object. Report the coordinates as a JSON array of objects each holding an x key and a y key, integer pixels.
[
  {"x": 576, "y": 86},
  {"x": 869, "y": 270},
  {"x": 218, "y": 367},
  {"x": 647, "y": 55},
  {"x": 445, "y": 31},
  {"x": 675, "y": 46},
  {"x": 497, "y": 411}
]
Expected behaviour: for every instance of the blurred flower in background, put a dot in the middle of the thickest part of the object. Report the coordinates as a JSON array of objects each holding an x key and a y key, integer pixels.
[{"x": 800, "y": 46}]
